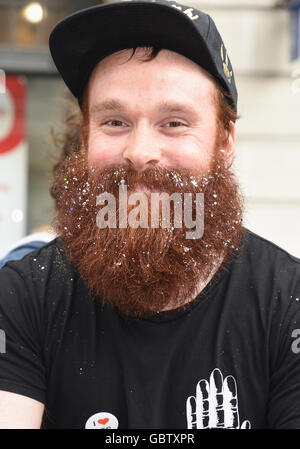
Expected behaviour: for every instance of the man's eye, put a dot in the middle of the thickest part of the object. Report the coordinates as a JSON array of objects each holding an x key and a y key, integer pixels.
[
  {"x": 174, "y": 124},
  {"x": 116, "y": 123},
  {"x": 119, "y": 123}
]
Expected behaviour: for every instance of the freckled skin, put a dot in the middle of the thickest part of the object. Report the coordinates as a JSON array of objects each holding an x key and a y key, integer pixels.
[{"x": 143, "y": 134}]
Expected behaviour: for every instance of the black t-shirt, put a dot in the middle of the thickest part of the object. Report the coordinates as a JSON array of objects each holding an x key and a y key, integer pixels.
[{"x": 231, "y": 359}]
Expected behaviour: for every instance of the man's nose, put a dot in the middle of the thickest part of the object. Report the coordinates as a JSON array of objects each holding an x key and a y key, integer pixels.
[{"x": 142, "y": 148}]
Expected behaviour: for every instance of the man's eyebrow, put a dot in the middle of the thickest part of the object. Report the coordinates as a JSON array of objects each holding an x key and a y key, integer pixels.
[
  {"x": 165, "y": 106},
  {"x": 107, "y": 105},
  {"x": 175, "y": 106}
]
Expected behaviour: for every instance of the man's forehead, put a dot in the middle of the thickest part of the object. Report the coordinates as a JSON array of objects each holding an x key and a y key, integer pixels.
[
  {"x": 163, "y": 63},
  {"x": 141, "y": 54}
]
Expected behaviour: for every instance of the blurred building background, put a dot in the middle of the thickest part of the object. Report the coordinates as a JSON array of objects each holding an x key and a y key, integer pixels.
[{"x": 262, "y": 40}]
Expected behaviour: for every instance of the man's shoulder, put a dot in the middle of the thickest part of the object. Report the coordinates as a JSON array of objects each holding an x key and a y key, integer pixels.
[
  {"x": 264, "y": 251},
  {"x": 45, "y": 268},
  {"x": 43, "y": 285},
  {"x": 268, "y": 267},
  {"x": 51, "y": 253}
]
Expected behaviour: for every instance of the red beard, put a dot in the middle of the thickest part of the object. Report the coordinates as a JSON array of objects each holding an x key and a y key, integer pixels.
[{"x": 142, "y": 271}]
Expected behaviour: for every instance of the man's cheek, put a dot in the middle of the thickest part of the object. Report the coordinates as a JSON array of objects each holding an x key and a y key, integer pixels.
[
  {"x": 103, "y": 152},
  {"x": 193, "y": 157}
]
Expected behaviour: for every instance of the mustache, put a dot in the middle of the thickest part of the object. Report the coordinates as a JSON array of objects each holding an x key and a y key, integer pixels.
[{"x": 154, "y": 178}]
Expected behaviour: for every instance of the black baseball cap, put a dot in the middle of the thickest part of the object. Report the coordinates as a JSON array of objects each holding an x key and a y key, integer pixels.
[{"x": 78, "y": 42}]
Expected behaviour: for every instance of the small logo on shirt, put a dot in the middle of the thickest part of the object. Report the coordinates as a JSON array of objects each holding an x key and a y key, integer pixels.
[{"x": 102, "y": 420}]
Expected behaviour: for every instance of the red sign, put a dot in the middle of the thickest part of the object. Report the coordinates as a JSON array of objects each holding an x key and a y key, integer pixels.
[{"x": 15, "y": 88}]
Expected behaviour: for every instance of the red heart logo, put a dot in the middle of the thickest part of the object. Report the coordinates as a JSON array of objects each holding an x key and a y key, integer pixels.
[{"x": 103, "y": 421}]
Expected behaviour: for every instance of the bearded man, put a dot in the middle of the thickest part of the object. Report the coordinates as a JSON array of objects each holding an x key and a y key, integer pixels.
[{"x": 128, "y": 319}]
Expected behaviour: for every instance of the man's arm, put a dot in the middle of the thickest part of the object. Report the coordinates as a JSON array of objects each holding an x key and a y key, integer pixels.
[{"x": 19, "y": 412}]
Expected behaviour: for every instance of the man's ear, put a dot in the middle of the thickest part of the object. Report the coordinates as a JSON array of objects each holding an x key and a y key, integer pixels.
[{"x": 229, "y": 145}]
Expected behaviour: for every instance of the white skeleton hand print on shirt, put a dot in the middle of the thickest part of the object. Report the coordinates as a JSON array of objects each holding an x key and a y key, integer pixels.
[{"x": 215, "y": 404}]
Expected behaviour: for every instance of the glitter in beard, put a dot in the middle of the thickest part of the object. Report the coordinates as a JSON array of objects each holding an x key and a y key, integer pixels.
[{"x": 141, "y": 271}]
